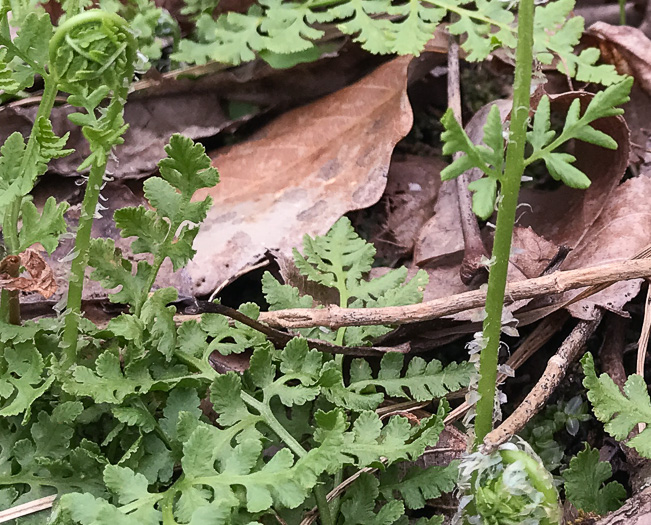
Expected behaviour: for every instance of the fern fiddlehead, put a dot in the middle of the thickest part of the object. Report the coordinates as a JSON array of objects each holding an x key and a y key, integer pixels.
[{"x": 92, "y": 58}]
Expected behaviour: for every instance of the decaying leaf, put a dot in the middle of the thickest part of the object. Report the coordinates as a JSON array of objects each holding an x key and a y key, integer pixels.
[
  {"x": 622, "y": 229},
  {"x": 41, "y": 278},
  {"x": 300, "y": 174},
  {"x": 202, "y": 102},
  {"x": 629, "y": 50},
  {"x": 531, "y": 254}
]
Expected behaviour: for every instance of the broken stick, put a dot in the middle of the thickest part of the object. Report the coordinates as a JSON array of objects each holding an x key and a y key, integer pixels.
[{"x": 335, "y": 317}]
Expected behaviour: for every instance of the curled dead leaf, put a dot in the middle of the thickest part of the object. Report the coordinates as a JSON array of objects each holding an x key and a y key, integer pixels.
[
  {"x": 41, "y": 278},
  {"x": 627, "y": 48}
]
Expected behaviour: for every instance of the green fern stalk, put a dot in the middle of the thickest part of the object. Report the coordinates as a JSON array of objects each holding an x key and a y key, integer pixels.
[
  {"x": 510, "y": 189},
  {"x": 79, "y": 263},
  {"x": 103, "y": 133}
]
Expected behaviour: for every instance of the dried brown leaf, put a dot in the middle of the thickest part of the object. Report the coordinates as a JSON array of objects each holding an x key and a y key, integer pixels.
[
  {"x": 627, "y": 48},
  {"x": 393, "y": 224},
  {"x": 622, "y": 229},
  {"x": 198, "y": 103},
  {"x": 41, "y": 278},
  {"x": 301, "y": 173}
]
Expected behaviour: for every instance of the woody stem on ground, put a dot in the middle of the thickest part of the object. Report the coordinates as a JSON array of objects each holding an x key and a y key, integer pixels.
[
  {"x": 509, "y": 190},
  {"x": 473, "y": 246}
]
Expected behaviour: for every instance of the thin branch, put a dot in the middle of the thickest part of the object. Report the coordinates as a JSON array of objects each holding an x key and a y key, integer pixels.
[
  {"x": 26, "y": 509},
  {"x": 557, "y": 282},
  {"x": 280, "y": 339},
  {"x": 473, "y": 246},
  {"x": 643, "y": 343}
]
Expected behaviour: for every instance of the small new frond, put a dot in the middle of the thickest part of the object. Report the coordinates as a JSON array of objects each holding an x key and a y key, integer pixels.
[
  {"x": 113, "y": 271},
  {"x": 45, "y": 228},
  {"x": 620, "y": 412},
  {"x": 336, "y": 258},
  {"x": 586, "y": 487}
]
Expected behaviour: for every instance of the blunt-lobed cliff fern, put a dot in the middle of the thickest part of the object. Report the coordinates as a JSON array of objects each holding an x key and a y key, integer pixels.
[
  {"x": 276, "y": 27},
  {"x": 130, "y": 422}
]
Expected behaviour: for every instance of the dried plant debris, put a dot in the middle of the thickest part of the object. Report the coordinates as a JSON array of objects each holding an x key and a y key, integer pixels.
[{"x": 41, "y": 278}]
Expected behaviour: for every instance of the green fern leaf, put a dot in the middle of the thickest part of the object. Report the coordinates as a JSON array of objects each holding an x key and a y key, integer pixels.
[
  {"x": 340, "y": 260},
  {"x": 108, "y": 382},
  {"x": 44, "y": 228},
  {"x": 423, "y": 380},
  {"x": 113, "y": 271},
  {"x": 285, "y": 23},
  {"x": 585, "y": 485},
  {"x": 8, "y": 81},
  {"x": 281, "y": 296},
  {"x": 231, "y": 39},
  {"x": 418, "y": 485},
  {"x": 135, "y": 416},
  {"x": 620, "y": 412},
  {"x": 159, "y": 319},
  {"x": 577, "y": 126},
  {"x": 32, "y": 41},
  {"x": 481, "y": 37},
  {"x": 23, "y": 380},
  {"x": 374, "y": 34},
  {"x": 359, "y": 503},
  {"x": 419, "y": 22},
  {"x": 232, "y": 339},
  {"x": 225, "y": 396}
]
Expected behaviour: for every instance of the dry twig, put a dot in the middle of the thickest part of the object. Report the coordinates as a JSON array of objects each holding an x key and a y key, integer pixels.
[
  {"x": 335, "y": 317},
  {"x": 473, "y": 246},
  {"x": 26, "y": 509}
]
